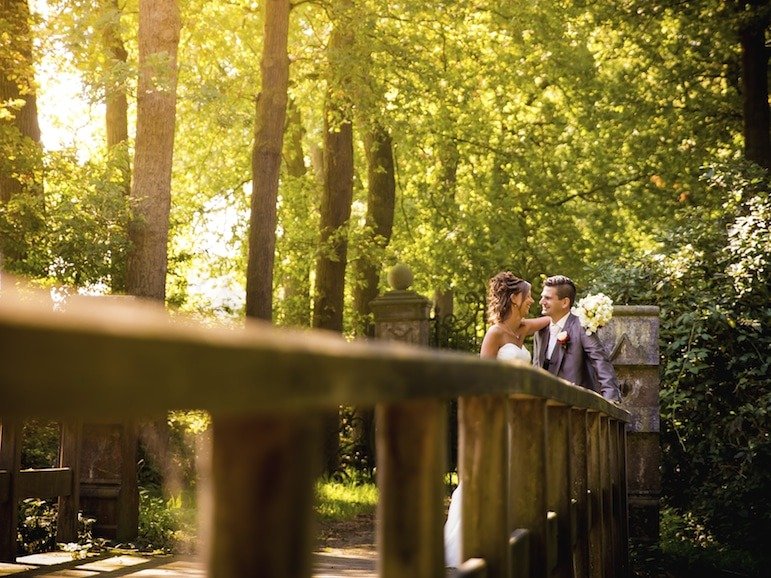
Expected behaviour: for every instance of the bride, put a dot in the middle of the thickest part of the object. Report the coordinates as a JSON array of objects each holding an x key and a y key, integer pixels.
[{"x": 509, "y": 299}]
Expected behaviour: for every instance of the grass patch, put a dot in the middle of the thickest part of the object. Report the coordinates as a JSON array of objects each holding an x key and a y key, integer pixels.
[{"x": 344, "y": 500}]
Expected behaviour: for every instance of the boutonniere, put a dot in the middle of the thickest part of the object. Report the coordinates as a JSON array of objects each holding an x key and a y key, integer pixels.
[{"x": 563, "y": 339}]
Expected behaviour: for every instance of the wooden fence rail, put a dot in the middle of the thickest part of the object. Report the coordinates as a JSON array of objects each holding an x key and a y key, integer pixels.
[{"x": 542, "y": 461}]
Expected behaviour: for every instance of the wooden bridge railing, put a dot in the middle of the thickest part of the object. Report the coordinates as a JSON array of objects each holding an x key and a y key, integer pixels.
[{"x": 542, "y": 462}]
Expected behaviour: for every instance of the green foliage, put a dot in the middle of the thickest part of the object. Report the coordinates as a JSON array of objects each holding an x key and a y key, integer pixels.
[
  {"x": 686, "y": 548},
  {"x": 532, "y": 137},
  {"x": 166, "y": 524},
  {"x": 357, "y": 445},
  {"x": 40, "y": 448},
  {"x": 711, "y": 281},
  {"x": 186, "y": 429},
  {"x": 74, "y": 233},
  {"x": 37, "y": 527}
]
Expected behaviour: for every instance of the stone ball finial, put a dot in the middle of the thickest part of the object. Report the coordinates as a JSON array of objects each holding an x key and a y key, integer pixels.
[{"x": 400, "y": 277}]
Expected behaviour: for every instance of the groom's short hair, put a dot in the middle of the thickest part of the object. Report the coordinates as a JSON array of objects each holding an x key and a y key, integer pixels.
[{"x": 564, "y": 286}]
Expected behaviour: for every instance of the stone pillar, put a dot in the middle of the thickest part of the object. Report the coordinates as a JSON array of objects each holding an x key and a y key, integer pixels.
[
  {"x": 400, "y": 314},
  {"x": 632, "y": 342}
]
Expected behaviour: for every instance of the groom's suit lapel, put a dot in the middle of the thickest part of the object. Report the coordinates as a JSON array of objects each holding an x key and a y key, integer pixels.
[{"x": 558, "y": 355}]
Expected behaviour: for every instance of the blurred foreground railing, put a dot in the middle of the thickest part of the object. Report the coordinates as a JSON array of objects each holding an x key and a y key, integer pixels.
[{"x": 542, "y": 462}]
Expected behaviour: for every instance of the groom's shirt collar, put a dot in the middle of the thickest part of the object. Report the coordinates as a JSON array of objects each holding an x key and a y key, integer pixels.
[{"x": 561, "y": 322}]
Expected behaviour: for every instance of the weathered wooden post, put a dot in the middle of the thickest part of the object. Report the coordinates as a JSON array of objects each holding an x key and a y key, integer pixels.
[
  {"x": 263, "y": 471},
  {"x": 69, "y": 457},
  {"x": 631, "y": 340},
  {"x": 483, "y": 468},
  {"x": 559, "y": 482},
  {"x": 10, "y": 463},
  {"x": 594, "y": 487},
  {"x": 410, "y": 450},
  {"x": 579, "y": 476},
  {"x": 527, "y": 476}
]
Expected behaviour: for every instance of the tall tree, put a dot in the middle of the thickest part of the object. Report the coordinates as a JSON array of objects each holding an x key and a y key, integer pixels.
[
  {"x": 21, "y": 154},
  {"x": 381, "y": 200},
  {"x": 146, "y": 266},
  {"x": 266, "y": 160},
  {"x": 20, "y": 161},
  {"x": 159, "y": 29},
  {"x": 381, "y": 177},
  {"x": 116, "y": 101},
  {"x": 753, "y": 23},
  {"x": 335, "y": 212},
  {"x": 329, "y": 289},
  {"x": 116, "y": 115},
  {"x": 338, "y": 186}
]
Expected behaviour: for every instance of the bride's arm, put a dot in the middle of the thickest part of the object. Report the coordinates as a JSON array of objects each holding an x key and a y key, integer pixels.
[{"x": 535, "y": 324}]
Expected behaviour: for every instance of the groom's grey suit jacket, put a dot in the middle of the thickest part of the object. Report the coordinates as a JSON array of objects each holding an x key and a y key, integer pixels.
[{"x": 582, "y": 360}]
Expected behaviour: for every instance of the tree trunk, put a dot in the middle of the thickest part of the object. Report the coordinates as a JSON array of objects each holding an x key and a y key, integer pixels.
[
  {"x": 116, "y": 100},
  {"x": 21, "y": 166},
  {"x": 116, "y": 118},
  {"x": 159, "y": 28},
  {"x": 757, "y": 141},
  {"x": 294, "y": 156},
  {"x": 266, "y": 160},
  {"x": 335, "y": 213},
  {"x": 381, "y": 201},
  {"x": 146, "y": 265}
]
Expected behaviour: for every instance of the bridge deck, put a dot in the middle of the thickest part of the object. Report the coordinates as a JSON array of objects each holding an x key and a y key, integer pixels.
[{"x": 328, "y": 564}]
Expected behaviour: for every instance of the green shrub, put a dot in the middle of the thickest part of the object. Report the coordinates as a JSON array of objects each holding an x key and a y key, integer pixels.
[
  {"x": 711, "y": 281},
  {"x": 687, "y": 545},
  {"x": 686, "y": 548},
  {"x": 166, "y": 524},
  {"x": 37, "y": 527}
]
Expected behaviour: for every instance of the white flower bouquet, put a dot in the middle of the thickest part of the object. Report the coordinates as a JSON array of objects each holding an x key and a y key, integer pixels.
[{"x": 594, "y": 311}]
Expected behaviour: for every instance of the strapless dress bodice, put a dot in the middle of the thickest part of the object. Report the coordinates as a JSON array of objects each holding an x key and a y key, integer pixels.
[{"x": 514, "y": 353}]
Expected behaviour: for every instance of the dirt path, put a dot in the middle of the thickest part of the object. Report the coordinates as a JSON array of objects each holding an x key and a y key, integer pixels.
[{"x": 347, "y": 548}]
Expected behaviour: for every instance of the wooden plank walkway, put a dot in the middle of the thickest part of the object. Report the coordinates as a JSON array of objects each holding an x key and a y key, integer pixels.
[{"x": 331, "y": 563}]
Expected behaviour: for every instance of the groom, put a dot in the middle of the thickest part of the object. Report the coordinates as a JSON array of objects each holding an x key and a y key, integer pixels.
[{"x": 564, "y": 349}]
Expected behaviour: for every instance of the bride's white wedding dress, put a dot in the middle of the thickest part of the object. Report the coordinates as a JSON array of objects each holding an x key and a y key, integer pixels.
[{"x": 511, "y": 353}]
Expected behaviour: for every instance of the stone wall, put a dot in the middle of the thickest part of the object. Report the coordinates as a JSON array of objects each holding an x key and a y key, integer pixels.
[{"x": 632, "y": 342}]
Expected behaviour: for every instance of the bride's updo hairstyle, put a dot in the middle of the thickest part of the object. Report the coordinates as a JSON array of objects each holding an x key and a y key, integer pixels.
[{"x": 501, "y": 289}]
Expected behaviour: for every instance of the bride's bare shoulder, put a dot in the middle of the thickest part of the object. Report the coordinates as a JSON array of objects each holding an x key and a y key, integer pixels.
[{"x": 492, "y": 341}]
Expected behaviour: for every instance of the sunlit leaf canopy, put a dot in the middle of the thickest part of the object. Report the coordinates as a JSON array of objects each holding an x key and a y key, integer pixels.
[{"x": 536, "y": 137}]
